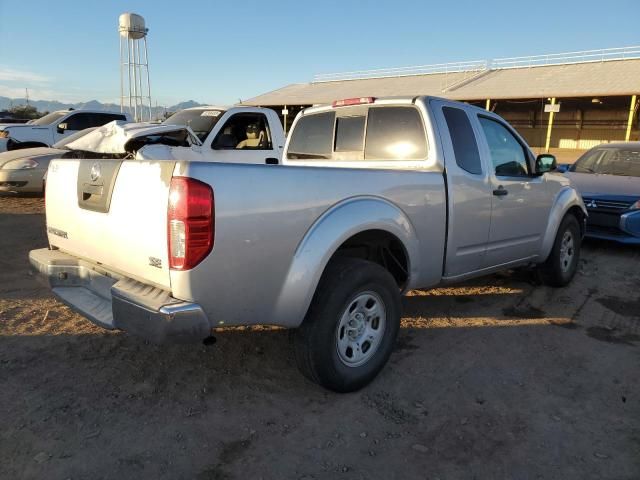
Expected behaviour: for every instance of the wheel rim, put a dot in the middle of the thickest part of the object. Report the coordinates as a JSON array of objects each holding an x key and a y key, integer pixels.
[
  {"x": 361, "y": 329},
  {"x": 567, "y": 251}
]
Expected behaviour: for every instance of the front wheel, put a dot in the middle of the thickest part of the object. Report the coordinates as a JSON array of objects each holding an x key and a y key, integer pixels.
[
  {"x": 561, "y": 265},
  {"x": 351, "y": 326}
]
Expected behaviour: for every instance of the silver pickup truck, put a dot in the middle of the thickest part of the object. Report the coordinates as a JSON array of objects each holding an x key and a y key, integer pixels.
[{"x": 376, "y": 197}]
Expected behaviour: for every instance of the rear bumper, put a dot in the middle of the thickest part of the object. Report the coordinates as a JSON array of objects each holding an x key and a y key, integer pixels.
[{"x": 112, "y": 301}]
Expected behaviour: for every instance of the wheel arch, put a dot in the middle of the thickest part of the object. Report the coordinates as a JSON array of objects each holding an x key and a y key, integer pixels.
[
  {"x": 567, "y": 202},
  {"x": 370, "y": 228}
]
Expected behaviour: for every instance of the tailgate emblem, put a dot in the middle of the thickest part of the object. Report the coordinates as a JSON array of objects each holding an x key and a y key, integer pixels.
[{"x": 96, "y": 171}]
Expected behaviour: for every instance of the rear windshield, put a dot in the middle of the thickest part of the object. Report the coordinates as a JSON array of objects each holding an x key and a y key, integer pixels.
[
  {"x": 610, "y": 161},
  {"x": 384, "y": 133},
  {"x": 49, "y": 119},
  {"x": 349, "y": 133},
  {"x": 312, "y": 137},
  {"x": 200, "y": 121},
  {"x": 395, "y": 133}
]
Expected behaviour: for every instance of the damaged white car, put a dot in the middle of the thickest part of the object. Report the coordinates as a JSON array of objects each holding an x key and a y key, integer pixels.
[{"x": 219, "y": 134}]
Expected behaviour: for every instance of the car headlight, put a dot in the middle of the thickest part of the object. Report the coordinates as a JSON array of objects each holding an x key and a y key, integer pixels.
[
  {"x": 20, "y": 164},
  {"x": 635, "y": 206},
  {"x": 4, "y": 133}
]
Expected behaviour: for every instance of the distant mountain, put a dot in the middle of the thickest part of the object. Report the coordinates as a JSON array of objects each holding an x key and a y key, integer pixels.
[{"x": 51, "y": 105}]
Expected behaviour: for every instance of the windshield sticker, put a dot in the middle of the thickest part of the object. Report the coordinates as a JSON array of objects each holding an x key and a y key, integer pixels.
[{"x": 210, "y": 113}]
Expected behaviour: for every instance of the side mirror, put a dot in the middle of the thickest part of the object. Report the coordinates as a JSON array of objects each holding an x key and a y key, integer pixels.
[
  {"x": 62, "y": 127},
  {"x": 545, "y": 162}
]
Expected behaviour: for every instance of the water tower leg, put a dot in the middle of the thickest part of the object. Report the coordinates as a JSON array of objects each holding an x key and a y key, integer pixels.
[{"x": 146, "y": 61}]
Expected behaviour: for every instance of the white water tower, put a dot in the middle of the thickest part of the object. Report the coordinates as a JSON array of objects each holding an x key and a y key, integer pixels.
[{"x": 135, "y": 87}]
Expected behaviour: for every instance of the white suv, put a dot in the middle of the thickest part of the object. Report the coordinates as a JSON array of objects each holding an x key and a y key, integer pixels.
[{"x": 53, "y": 127}]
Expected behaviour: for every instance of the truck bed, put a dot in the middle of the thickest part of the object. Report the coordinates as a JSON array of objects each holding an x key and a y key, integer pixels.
[{"x": 263, "y": 214}]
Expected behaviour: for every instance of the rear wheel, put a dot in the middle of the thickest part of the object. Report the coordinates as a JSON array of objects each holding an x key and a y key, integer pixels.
[
  {"x": 561, "y": 265},
  {"x": 350, "y": 328}
]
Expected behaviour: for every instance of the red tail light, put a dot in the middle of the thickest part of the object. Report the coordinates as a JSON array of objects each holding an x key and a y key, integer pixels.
[
  {"x": 353, "y": 101},
  {"x": 190, "y": 222}
]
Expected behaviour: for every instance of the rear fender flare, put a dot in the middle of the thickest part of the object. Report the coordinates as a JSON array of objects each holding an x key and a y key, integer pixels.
[{"x": 323, "y": 239}]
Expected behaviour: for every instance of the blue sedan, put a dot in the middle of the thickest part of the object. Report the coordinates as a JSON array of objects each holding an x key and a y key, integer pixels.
[{"x": 608, "y": 178}]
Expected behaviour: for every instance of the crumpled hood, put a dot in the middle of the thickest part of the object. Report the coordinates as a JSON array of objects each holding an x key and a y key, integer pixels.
[
  {"x": 599, "y": 184},
  {"x": 33, "y": 153},
  {"x": 114, "y": 136}
]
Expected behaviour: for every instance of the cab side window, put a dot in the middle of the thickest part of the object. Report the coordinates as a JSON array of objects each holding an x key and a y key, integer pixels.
[
  {"x": 508, "y": 155},
  {"x": 79, "y": 121},
  {"x": 244, "y": 131},
  {"x": 104, "y": 118}
]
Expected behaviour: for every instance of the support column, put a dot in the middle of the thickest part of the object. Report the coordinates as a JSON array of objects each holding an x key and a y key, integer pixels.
[
  {"x": 284, "y": 115},
  {"x": 487, "y": 105},
  {"x": 549, "y": 127},
  {"x": 632, "y": 111}
]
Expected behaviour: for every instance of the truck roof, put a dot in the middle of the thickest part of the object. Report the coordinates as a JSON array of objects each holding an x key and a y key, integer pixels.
[
  {"x": 398, "y": 100},
  {"x": 217, "y": 107},
  {"x": 206, "y": 107},
  {"x": 87, "y": 110}
]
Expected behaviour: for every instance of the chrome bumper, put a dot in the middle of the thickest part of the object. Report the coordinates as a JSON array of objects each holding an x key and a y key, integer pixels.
[{"x": 112, "y": 301}]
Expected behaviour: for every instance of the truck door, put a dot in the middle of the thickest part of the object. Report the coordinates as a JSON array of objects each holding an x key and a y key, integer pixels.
[
  {"x": 468, "y": 191},
  {"x": 244, "y": 138},
  {"x": 520, "y": 204}
]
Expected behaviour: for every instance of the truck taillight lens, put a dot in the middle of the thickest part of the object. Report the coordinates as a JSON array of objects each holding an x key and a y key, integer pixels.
[{"x": 190, "y": 222}]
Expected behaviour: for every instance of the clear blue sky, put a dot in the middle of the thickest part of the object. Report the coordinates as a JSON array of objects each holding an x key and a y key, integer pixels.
[{"x": 219, "y": 51}]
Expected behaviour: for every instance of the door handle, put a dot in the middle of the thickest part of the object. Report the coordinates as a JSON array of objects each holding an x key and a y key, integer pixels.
[
  {"x": 500, "y": 191},
  {"x": 271, "y": 161}
]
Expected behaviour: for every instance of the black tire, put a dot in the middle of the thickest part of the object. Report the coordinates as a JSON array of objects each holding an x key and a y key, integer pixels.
[
  {"x": 557, "y": 270},
  {"x": 315, "y": 341}
]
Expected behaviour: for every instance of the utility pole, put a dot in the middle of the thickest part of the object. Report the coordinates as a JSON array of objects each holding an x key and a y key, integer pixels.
[{"x": 26, "y": 90}]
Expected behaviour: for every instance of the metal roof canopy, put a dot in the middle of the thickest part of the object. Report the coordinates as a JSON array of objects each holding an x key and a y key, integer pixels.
[{"x": 606, "y": 72}]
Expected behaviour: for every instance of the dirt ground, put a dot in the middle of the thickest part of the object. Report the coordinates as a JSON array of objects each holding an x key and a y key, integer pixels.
[{"x": 501, "y": 378}]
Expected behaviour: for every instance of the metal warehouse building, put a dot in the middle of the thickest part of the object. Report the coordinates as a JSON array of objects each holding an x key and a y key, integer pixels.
[{"x": 562, "y": 103}]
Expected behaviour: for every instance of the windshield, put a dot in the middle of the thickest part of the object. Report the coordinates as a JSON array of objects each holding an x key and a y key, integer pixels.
[
  {"x": 200, "y": 121},
  {"x": 610, "y": 161},
  {"x": 62, "y": 143},
  {"x": 49, "y": 119}
]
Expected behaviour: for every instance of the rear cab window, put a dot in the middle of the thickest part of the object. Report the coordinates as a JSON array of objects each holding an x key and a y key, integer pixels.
[
  {"x": 395, "y": 133},
  {"x": 350, "y": 134},
  {"x": 313, "y": 137},
  {"x": 384, "y": 134}
]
